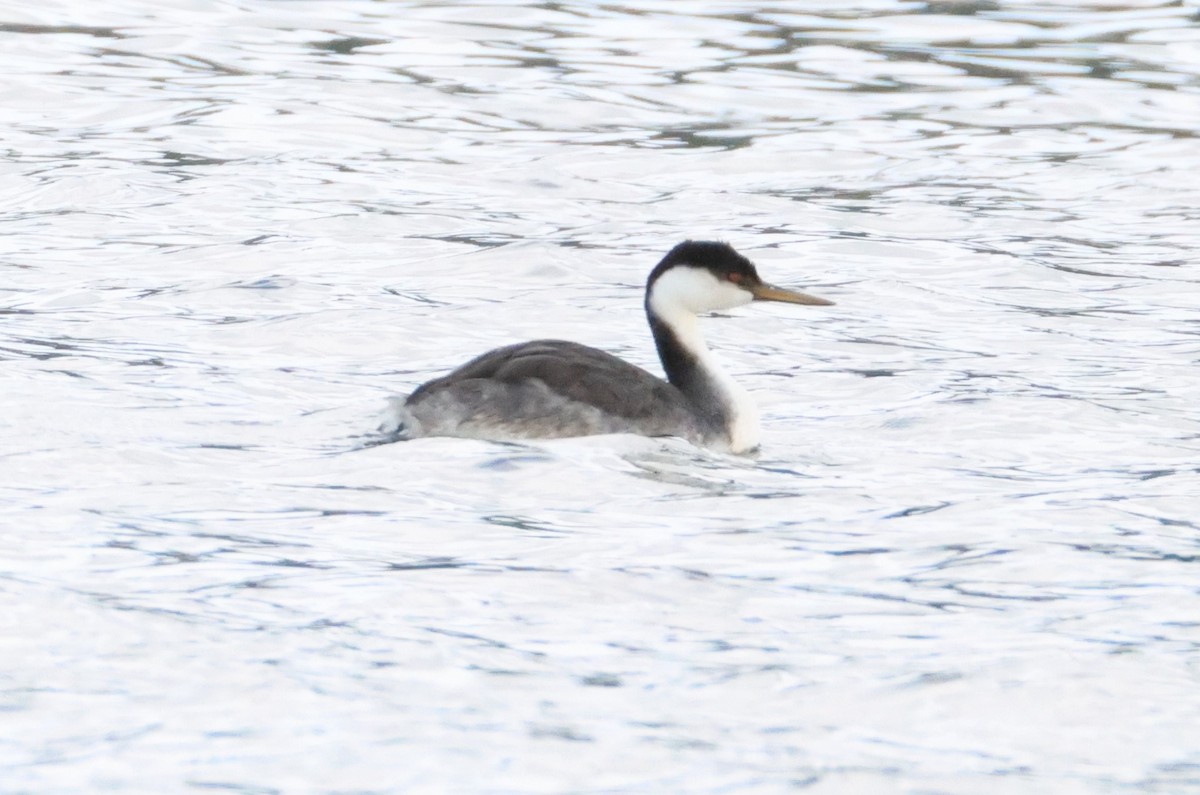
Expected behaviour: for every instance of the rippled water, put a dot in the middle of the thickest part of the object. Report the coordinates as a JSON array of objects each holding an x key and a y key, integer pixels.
[{"x": 967, "y": 559}]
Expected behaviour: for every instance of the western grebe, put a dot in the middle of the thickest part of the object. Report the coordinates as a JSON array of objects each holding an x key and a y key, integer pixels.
[{"x": 551, "y": 388}]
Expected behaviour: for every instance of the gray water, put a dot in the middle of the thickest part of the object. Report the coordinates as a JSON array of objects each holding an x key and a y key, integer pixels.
[{"x": 967, "y": 559}]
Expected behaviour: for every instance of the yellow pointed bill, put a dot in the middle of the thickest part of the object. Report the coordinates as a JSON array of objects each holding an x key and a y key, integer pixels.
[{"x": 769, "y": 292}]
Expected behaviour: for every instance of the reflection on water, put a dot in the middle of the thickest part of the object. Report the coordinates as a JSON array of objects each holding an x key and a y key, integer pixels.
[{"x": 964, "y": 560}]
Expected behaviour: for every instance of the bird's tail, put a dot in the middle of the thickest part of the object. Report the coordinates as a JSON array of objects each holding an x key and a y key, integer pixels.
[{"x": 399, "y": 424}]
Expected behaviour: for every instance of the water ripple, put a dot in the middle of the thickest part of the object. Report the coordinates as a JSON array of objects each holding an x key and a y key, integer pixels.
[{"x": 968, "y": 542}]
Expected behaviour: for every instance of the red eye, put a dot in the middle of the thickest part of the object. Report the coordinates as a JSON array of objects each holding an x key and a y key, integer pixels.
[{"x": 734, "y": 277}]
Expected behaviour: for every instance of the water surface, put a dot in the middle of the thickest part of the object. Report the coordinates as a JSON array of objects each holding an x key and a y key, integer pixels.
[{"x": 966, "y": 559}]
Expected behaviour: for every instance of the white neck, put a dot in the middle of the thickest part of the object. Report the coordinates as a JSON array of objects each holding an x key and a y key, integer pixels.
[{"x": 675, "y": 299}]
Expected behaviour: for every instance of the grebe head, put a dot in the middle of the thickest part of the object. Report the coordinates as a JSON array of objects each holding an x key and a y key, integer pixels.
[{"x": 700, "y": 276}]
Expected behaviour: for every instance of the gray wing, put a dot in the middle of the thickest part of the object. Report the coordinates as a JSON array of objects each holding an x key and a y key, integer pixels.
[{"x": 574, "y": 372}]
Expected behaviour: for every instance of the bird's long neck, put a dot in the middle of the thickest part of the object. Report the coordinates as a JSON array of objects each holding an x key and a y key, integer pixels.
[{"x": 720, "y": 404}]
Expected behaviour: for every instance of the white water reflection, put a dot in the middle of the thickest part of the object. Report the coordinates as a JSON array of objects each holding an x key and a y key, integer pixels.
[{"x": 964, "y": 561}]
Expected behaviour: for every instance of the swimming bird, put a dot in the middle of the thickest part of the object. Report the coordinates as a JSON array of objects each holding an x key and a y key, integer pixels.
[{"x": 552, "y": 388}]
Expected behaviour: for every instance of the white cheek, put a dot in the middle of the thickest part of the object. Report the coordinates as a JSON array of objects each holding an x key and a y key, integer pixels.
[
  {"x": 697, "y": 291},
  {"x": 731, "y": 295}
]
